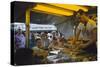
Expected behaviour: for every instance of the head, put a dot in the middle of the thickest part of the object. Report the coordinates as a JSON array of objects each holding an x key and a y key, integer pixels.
[
  {"x": 83, "y": 18},
  {"x": 39, "y": 42},
  {"x": 78, "y": 13},
  {"x": 19, "y": 31},
  {"x": 44, "y": 36},
  {"x": 55, "y": 41}
]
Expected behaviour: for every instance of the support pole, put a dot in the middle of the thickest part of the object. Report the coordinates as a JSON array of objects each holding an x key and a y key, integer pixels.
[{"x": 27, "y": 27}]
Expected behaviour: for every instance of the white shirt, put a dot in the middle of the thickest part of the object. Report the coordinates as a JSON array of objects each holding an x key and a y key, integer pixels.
[{"x": 86, "y": 30}]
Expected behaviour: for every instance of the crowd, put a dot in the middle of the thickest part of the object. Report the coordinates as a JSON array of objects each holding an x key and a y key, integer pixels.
[
  {"x": 42, "y": 39},
  {"x": 40, "y": 43}
]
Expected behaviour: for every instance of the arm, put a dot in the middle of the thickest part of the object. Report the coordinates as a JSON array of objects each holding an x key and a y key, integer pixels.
[
  {"x": 92, "y": 40},
  {"x": 93, "y": 37},
  {"x": 76, "y": 37}
]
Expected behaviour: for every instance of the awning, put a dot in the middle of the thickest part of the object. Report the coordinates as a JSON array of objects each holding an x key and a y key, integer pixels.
[{"x": 58, "y": 9}]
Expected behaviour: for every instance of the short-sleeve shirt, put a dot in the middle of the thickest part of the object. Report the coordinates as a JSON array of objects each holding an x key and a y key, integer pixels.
[
  {"x": 20, "y": 40},
  {"x": 86, "y": 30}
]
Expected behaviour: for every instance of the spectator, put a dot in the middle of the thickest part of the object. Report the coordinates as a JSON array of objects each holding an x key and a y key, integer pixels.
[
  {"x": 38, "y": 52},
  {"x": 19, "y": 39},
  {"x": 45, "y": 40},
  {"x": 39, "y": 44},
  {"x": 32, "y": 40}
]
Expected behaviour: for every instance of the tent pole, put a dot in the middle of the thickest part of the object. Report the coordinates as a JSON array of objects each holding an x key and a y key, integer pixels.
[{"x": 27, "y": 27}]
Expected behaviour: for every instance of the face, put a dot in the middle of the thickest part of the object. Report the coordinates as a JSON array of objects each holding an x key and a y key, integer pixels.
[
  {"x": 61, "y": 41},
  {"x": 44, "y": 36},
  {"x": 83, "y": 19},
  {"x": 19, "y": 31},
  {"x": 39, "y": 43},
  {"x": 55, "y": 41}
]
